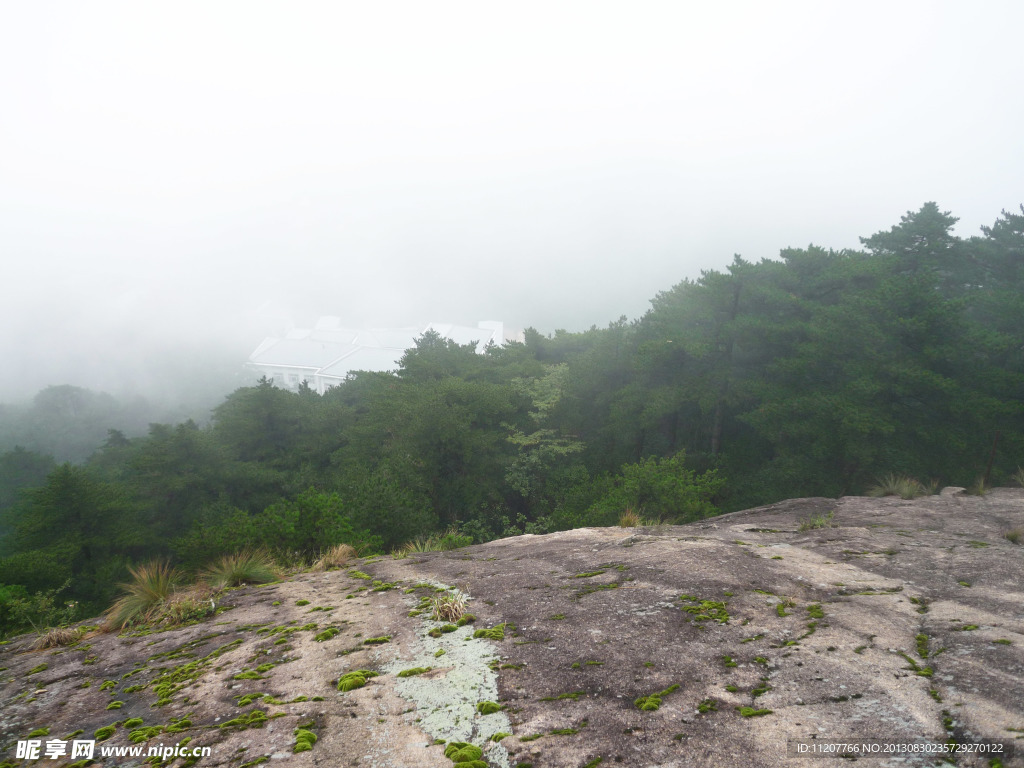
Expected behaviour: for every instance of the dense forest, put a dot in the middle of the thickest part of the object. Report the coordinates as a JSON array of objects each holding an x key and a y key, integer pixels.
[{"x": 811, "y": 375}]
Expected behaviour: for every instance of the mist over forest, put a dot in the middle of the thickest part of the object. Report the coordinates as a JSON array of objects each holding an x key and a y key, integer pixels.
[
  {"x": 820, "y": 373},
  {"x": 180, "y": 181},
  {"x": 549, "y": 167}
]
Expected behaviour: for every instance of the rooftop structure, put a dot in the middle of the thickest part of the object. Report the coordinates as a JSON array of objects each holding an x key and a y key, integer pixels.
[{"x": 324, "y": 355}]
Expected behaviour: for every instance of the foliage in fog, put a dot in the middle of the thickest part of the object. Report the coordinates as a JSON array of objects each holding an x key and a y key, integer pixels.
[{"x": 811, "y": 375}]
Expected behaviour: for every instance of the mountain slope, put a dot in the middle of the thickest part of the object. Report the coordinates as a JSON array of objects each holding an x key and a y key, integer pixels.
[{"x": 896, "y": 620}]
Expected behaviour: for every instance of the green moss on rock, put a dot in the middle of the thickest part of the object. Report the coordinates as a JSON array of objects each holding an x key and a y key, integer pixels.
[
  {"x": 705, "y": 610},
  {"x": 462, "y": 752},
  {"x": 255, "y": 719},
  {"x": 652, "y": 702},
  {"x": 496, "y": 632},
  {"x": 304, "y": 740},
  {"x": 414, "y": 671},
  {"x": 357, "y": 679},
  {"x": 139, "y": 735}
]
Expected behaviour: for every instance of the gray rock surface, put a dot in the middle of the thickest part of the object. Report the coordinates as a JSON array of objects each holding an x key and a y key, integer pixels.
[{"x": 895, "y": 620}]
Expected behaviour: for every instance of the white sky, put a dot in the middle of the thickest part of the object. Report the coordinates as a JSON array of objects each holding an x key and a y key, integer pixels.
[{"x": 168, "y": 168}]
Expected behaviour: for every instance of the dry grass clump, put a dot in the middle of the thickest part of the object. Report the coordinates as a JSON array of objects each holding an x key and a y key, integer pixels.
[
  {"x": 335, "y": 557},
  {"x": 632, "y": 519},
  {"x": 898, "y": 485},
  {"x": 151, "y": 584},
  {"x": 1015, "y": 536},
  {"x": 154, "y": 597},
  {"x": 185, "y": 606},
  {"x": 419, "y": 544},
  {"x": 58, "y": 637},
  {"x": 250, "y": 566},
  {"x": 448, "y": 606},
  {"x": 629, "y": 519}
]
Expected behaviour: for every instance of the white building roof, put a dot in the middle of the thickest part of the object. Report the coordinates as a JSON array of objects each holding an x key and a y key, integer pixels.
[{"x": 325, "y": 354}]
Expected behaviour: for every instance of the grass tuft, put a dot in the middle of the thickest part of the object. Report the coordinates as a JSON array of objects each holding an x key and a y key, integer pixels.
[
  {"x": 978, "y": 488},
  {"x": 450, "y": 539},
  {"x": 818, "y": 521},
  {"x": 335, "y": 557},
  {"x": 448, "y": 606},
  {"x": 152, "y": 583},
  {"x": 57, "y": 637},
  {"x": 898, "y": 485},
  {"x": 186, "y": 606},
  {"x": 250, "y": 566},
  {"x": 629, "y": 519},
  {"x": 1015, "y": 536},
  {"x": 632, "y": 519}
]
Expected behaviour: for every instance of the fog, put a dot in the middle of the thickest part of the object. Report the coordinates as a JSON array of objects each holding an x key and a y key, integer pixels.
[{"x": 179, "y": 179}]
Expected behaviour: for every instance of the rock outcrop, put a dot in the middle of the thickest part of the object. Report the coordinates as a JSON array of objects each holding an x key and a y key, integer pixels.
[{"x": 720, "y": 643}]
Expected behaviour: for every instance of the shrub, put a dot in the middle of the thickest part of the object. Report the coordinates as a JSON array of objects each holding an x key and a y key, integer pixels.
[
  {"x": 898, "y": 485},
  {"x": 152, "y": 583},
  {"x": 664, "y": 487},
  {"x": 335, "y": 557},
  {"x": 1018, "y": 476},
  {"x": 21, "y": 611},
  {"x": 250, "y": 566}
]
